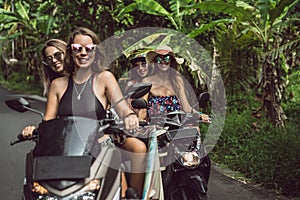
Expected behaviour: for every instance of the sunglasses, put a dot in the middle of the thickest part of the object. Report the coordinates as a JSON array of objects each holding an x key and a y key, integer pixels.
[
  {"x": 140, "y": 64},
  {"x": 160, "y": 59},
  {"x": 77, "y": 48},
  {"x": 49, "y": 59}
]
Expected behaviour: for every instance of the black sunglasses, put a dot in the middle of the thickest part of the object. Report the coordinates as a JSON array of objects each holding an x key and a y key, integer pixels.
[
  {"x": 49, "y": 59},
  {"x": 143, "y": 64}
]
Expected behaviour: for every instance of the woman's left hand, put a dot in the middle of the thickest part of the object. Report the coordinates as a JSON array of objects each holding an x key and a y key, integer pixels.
[{"x": 131, "y": 121}]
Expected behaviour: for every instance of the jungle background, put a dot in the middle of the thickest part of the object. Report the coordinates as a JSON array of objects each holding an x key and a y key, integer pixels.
[{"x": 254, "y": 44}]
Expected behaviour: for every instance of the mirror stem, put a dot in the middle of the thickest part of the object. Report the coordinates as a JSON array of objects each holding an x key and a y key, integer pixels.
[{"x": 35, "y": 111}]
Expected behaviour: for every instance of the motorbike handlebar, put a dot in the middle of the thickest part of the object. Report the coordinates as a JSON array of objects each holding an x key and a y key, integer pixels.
[
  {"x": 179, "y": 118},
  {"x": 21, "y": 137},
  {"x": 116, "y": 126}
]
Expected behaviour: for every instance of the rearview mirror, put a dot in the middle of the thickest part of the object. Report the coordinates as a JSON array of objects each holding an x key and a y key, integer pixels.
[
  {"x": 203, "y": 97},
  {"x": 19, "y": 105},
  {"x": 139, "y": 103},
  {"x": 138, "y": 90}
]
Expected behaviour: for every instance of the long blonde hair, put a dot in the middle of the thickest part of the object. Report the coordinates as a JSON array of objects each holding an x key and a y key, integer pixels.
[{"x": 48, "y": 74}]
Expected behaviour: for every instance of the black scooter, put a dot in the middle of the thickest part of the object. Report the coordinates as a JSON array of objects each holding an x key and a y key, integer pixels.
[
  {"x": 184, "y": 165},
  {"x": 74, "y": 158}
]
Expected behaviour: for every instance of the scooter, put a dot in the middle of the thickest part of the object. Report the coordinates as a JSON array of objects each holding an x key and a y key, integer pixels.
[
  {"x": 183, "y": 163},
  {"x": 187, "y": 166},
  {"x": 74, "y": 158}
]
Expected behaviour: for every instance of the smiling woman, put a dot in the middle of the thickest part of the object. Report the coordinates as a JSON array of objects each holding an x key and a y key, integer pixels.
[
  {"x": 53, "y": 53},
  {"x": 90, "y": 90}
]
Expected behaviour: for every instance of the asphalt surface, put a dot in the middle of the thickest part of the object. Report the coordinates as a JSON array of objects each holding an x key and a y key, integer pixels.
[
  {"x": 220, "y": 187},
  {"x": 223, "y": 187}
]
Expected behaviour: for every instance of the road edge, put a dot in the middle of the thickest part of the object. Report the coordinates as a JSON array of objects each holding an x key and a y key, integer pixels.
[{"x": 247, "y": 182}]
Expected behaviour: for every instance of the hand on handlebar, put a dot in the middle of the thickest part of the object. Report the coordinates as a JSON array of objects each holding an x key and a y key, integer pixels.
[
  {"x": 204, "y": 118},
  {"x": 28, "y": 131},
  {"x": 131, "y": 122}
]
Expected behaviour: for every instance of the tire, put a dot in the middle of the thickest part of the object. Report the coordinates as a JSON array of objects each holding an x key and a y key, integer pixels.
[
  {"x": 27, "y": 194},
  {"x": 185, "y": 193},
  {"x": 205, "y": 167},
  {"x": 192, "y": 185},
  {"x": 23, "y": 196}
]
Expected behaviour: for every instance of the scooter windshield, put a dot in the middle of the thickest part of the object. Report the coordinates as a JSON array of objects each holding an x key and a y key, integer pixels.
[{"x": 70, "y": 136}]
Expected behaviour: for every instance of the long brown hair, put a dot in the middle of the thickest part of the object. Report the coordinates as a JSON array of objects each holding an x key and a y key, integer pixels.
[
  {"x": 98, "y": 65},
  {"x": 48, "y": 74}
]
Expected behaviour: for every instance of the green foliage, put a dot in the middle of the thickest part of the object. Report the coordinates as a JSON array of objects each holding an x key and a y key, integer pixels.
[
  {"x": 244, "y": 34},
  {"x": 261, "y": 152},
  {"x": 21, "y": 81},
  {"x": 273, "y": 159}
]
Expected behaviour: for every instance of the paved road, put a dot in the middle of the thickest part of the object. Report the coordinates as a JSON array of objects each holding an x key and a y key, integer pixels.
[
  {"x": 12, "y": 157},
  {"x": 222, "y": 187},
  {"x": 12, "y": 163}
]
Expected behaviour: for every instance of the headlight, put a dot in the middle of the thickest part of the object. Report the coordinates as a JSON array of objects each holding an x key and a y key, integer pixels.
[
  {"x": 37, "y": 188},
  {"x": 189, "y": 159},
  {"x": 88, "y": 192}
]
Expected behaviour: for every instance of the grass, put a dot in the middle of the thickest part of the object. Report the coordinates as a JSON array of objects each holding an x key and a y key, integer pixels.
[
  {"x": 21, "y": 84},
  {"x": 260, "y": 152}
]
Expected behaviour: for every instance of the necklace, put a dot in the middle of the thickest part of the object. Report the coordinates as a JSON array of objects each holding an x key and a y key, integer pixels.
[{"x": 82, "y": 89}]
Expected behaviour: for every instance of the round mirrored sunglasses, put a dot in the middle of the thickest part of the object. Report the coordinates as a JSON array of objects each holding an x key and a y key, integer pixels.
[
  {"x": 160, "y": 59},
  {"x": 49, "y": 59}
]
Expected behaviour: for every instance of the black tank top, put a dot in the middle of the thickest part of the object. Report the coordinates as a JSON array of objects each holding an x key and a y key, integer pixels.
[{"x": 87, "y": 106}]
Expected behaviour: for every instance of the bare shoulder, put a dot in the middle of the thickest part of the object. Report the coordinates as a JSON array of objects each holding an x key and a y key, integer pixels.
[
  {"x": 105, "y": 75},
  {"x": 105, "y": 79},
  {"x": 148, "y": 79},
  {"x": 59, "y": 82}
]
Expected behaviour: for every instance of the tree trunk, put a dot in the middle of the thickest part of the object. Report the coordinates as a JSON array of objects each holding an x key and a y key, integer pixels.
[{"x": 272, "y": 93}]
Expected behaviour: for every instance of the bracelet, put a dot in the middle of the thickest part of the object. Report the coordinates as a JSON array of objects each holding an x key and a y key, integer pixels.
[
  {"x": 132, "y": 113},
  {"x": 200, "y": 113}
]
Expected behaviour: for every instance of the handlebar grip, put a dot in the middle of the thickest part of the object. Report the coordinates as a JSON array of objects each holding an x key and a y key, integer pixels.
[
  {"x": 143, "y": 123},
  {"x": 35, "y": 132},
  {"x": 20, "y": 136}
]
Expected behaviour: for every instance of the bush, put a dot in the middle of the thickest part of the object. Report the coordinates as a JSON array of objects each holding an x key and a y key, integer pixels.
[
  {"x": 263, "y": 153},
  {"x": 21, "y": 81},
  {"x": 273, "y": 159}
]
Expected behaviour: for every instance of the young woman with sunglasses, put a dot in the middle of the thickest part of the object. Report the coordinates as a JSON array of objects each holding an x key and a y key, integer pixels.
[
  {"x": 138, "y": 69},
  {"x": 53, "y": 53},
  {"x": 168, "y": 90},
  {"x": 89, "y": 91}
]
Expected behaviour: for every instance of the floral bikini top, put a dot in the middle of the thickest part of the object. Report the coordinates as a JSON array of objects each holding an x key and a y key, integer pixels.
[{"x": 162, "y": 104}]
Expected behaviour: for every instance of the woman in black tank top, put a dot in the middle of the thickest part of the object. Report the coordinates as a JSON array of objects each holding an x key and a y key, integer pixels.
[
  {"x": 89, "y": 90},
  {"x": 85, "y": 105}
]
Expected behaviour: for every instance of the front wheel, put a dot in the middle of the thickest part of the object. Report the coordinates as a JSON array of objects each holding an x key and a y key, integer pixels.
[
  {"x": 185, "y": 193},
  {"x": 27, "y": 193},
  {"x": 192, "y": 184},
  {"x": 23, "y": 196}
]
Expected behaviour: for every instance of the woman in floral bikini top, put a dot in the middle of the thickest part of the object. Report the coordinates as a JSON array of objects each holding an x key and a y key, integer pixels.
[
  {"x": 162, "y": 104},
  {"x": 168, "y": 90}
]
